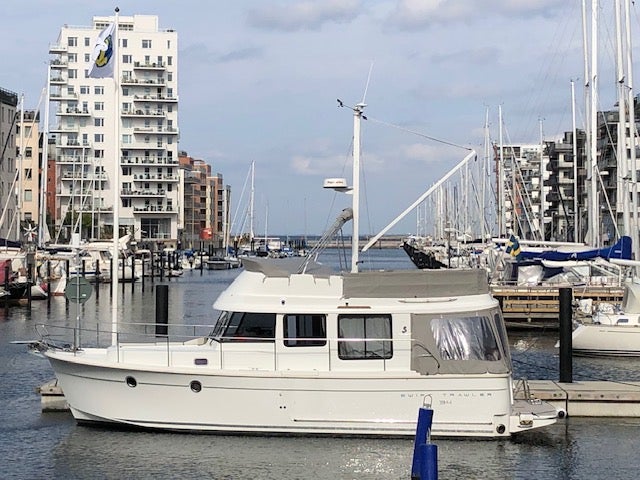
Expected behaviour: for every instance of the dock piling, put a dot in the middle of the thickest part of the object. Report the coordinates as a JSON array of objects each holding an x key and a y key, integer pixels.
[{"x": 566, "y": 347}]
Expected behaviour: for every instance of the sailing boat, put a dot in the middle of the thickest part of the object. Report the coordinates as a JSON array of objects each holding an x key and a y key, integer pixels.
[{"x": 300, "y": 349}]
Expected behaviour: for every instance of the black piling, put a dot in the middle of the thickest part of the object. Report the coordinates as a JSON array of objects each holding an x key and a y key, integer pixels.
[
  {"x": 566, "y": 365},
  {"x": 162, "y": 310},
  {"x": 49, "y": 292}
]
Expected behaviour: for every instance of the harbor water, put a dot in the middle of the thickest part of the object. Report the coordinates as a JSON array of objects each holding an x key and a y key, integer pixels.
[{"x": 37, "y": 445}]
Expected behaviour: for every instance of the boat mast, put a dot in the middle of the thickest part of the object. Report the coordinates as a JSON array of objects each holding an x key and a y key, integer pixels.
[
  {"x": 635, "y": 241},
  {"x": 593, "y": 167},
  {"x": 355, "y": 237},
  {"x": 575, "y": 162},
  {"x": 622, "y": 176},
  {"x": 251, "y": 199},
  {"x": 45, "y": 164},
  {"x": 501, "y": 180}
]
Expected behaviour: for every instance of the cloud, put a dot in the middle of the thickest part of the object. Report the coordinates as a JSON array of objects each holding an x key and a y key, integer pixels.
[
  {"x": 308, "y": 15},
  {"x": 418, "y": 14},
  {"x": 200, "y": 53}
]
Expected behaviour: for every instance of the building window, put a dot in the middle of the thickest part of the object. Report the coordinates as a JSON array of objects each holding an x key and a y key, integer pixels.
[
  {"x": 87, "y": 41},
  {"x": 125, "y": 43},
  {"x": 126, "y": 59},
  {"x": 364, "y": 337},
  {"x": 87, "y": 57},
  {"x": 85, "y": 89},
  {"x": 98, "y": 106},
  {"x": 28, "y": 195},
  {"x": 98, "y": 154},
  {"x": 169, "y": 60},
  {"x": 72, "y": 41},
  {"x": 73, "y": 73},
  {"x": 98, "y": 90},
  {"x": 146, "y": 43},
  {"x": 28, "y": 173},
  {"x": 72, "y": 57},
  {"x": 98, "y": 122},
  {"x": 28, "y": 152},
  {"x": 126, "y": 139}
]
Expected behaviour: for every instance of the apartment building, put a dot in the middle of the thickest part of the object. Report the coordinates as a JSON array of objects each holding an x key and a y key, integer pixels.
[
  {"x": 204, "y": 212},
  {"x": 9, "y": 226},
  {"x": 134, "y": 129},
  {"x": 28, "y": 163}
]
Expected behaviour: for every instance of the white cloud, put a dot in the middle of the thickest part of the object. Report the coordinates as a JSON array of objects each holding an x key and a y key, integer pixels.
[{"x": 309, "y": 15}]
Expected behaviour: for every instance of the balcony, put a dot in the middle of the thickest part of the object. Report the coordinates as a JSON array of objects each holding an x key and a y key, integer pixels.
[
  {"x": 153, "y": 209},
  {"x": 156, "y": 130},
  {"x": 142, "y": 113},
  {"x": 62, "y": 95},
  {"x": 152, "y": 160},
  {"x": 58, "y": 80},
  {"x": 57, "y": 63},
  {"x": 148, "y": 65},
  {"x": 57, "y": 48},
  {"x": 73, "y": 144},
  {"x": 145, "y": 177},
  {"x": 154, "y": 98},
  {"x": 130, "y": 81},
  {"x": 142, "y": 146},
  {"x": 72, "y": 111},
  {"x": 64, "y": 129},
  {"x": 143, "y": 193}
]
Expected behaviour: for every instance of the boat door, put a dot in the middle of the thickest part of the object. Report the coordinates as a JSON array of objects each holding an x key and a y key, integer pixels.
[{"x": 304, "y": 345}]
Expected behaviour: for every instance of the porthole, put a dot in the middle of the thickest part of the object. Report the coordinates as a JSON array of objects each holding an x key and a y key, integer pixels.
[
  {"x": 196, "y": 386},
  {"x": 501, "y": 429},
  {"x": 131, "y": 382}
]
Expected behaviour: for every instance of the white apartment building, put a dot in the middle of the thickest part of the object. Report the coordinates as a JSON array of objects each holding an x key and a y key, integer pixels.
[{"x": 139, "y": 134}]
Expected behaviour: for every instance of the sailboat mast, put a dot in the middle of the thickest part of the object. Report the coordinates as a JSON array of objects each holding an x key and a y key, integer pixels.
[
  {"x": 355, "y": 238},
  {"x": 594, "y": 226},
  {"x": 635, "y": 240},
  {"x": 45, "y": 164},
  {"x": 622, "y": 177},
  {"x": 253, "y": 172},
  {"x": 501, "y": 180},
  {"x": 575, "y": 162}
]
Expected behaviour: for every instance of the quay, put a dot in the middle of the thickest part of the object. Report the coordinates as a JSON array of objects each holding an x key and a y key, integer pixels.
[
  {"x": 575, "y": 399},
  {"x": 539, "y": 306}
]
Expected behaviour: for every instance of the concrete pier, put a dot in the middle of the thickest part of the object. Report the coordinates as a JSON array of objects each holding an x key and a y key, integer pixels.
[{"x": 588, "y": 399}]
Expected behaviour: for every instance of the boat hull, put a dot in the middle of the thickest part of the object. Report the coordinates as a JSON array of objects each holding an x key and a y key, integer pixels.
[
  {"x": 285, "y": 402},
  {"x": 606, "y": 340}
]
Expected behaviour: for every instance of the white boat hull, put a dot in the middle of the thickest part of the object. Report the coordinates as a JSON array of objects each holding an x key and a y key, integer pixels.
[
  {"x": 606, "y": 340},
  {"x": 282, "y": 402}
]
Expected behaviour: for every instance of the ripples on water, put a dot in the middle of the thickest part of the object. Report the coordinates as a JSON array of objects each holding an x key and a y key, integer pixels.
[{"x": 36, "y": 445}]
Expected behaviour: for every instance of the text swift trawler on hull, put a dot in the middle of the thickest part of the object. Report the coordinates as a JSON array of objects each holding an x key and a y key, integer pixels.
[{"x": 300, "y": 349}]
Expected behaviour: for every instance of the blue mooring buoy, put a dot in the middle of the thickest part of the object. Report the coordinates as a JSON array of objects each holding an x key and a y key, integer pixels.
[{"x": 425, "y": 454}]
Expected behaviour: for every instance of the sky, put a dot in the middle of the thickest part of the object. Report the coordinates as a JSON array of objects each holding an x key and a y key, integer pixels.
[{"x": 259, "y": 82}]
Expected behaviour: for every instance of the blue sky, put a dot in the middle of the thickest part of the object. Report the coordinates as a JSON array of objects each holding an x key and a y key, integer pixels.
[{"x": 259, "y": 82}]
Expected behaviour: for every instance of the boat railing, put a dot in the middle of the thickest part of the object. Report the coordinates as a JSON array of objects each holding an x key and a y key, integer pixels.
[{"x": 230, "y": 352}]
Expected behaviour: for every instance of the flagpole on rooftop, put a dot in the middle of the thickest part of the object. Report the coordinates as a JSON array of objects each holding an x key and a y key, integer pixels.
[{"x": 115, "y": 186}]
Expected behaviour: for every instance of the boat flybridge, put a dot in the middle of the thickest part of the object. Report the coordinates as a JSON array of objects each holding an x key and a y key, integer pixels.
[{"x": 301, "y": 349}]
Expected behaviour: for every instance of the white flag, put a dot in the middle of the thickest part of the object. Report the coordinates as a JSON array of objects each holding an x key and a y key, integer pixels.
[{"x": 104, "y": 54}]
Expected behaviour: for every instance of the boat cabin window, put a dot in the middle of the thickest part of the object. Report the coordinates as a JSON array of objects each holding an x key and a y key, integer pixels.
[
  {"x": 465, "y": 338},
  {"x": 245, "y": 326},
  {"x": 364, "y": 337},
  {"x": 305, "y": 330}
]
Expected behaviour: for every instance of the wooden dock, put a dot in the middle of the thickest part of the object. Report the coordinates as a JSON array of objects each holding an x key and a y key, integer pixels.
[
  {"x": 539, "y": 306},
  {"x": 588, "y": 399}
]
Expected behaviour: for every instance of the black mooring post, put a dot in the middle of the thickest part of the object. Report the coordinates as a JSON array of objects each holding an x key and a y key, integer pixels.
[
  {"x": 566, "y": 365},
  {"x": 162, "y": 309}
]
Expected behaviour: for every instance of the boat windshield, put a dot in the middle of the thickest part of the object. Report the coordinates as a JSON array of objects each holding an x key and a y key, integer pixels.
[
  {"x": 244, "y": 326},
  {"x": 465, "y": 338}
]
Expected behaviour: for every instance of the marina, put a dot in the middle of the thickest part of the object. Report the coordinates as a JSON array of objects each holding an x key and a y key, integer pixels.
[{"x": 60, "y": 448}]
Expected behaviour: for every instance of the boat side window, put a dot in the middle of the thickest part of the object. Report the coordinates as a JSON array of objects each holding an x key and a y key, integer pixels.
[
  {"x": 364, "y": 337},
  {"x": 305, "y": 330},
  {"x": 251, "y": 327},
  {"x": 465, "y": 338},
  {"x": 221, "y": 325}
]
